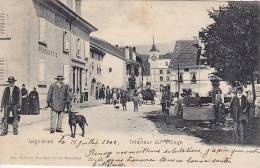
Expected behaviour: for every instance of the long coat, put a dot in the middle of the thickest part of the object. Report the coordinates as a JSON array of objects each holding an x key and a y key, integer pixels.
[
  {"x": 58, "y": 97},
  {"x": 239, "y": 112},
  {"x": 24, "y": 104},
  {"x": 16, "y": 95},
  {"x": 34, "y": 105}
]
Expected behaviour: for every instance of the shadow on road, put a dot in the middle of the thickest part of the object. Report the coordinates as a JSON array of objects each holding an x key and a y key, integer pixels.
[{"x": 212, "y": 134}]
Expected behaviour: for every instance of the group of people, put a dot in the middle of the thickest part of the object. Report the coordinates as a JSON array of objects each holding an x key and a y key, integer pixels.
[
  {"x": 79, "y": 97},
  {"x": 18, "y": 102},
  {"x": 169, "y": 99},
  {"x": 30, "y": 104}
]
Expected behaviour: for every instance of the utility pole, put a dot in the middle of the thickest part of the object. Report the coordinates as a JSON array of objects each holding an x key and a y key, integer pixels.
[{"x": 178, "y": 71}]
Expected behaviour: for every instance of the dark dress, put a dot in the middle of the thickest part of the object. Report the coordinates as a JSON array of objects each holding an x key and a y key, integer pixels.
[
  {"x": 34, "y": 105},
  {"x": 24, "y": 103}
]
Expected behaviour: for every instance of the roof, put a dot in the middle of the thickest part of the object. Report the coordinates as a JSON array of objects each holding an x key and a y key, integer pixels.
[
  {"x": 154, "y": 48},
  {"x": 185, "y": 54},
  {"x": 166, "y": 56},
  {"x": 107, "y": 47},
  {"x": 71, "y": 14}
]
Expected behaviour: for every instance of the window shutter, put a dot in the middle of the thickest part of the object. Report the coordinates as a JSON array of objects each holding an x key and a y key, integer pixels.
[
  {"x": 65, "y": 41},
  {"x": 78, "y": 47},
  {"x": 3, "y": 25},
  {"x": 42, "y": 30},
  {"x": 66, "y": 73},
  {"x": 2, "y": 69},
  {"x": 42, "y": 71}
]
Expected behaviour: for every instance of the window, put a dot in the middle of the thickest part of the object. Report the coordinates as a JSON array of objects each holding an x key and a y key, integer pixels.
[
  {"x": 193, "y": 78},
  {"x": 4, "y": 25},
  {"x": 78, "y": 47},
  {"x": 186, "y": 69},
  {"x": 86, "y": 50},
  {"x": 168, "y": 71},
  {"x": 92, "y": 54},
  {"x": 110, "y": 70},
  {"x": 42, "y": 71},
  {"x": 98, "y": 69},
  {"x": 42, "y": 30},
  {"x": 166, "y": 63},
  {"x": 161, "y": 78},
  {"x": 161, "y": 71},
  {"x": 167, "y": 78},
  {"x": 66, "y": 73},
  {"x": 181, "y": 77},
  {"x": 65, "y": 41}
]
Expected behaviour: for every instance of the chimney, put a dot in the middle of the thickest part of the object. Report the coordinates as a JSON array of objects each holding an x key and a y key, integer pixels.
[
  {"x": 116, "y": 45},
  {"x": 78, "y": 7},
  {"x": 127, "y": 52},
  {"x": 134, "y": 53}
]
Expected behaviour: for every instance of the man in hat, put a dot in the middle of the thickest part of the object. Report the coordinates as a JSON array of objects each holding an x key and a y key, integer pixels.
[
  {"x": 239, "y": 109},
  {"x": 58, "y": 98},
  {"x": 11, "y": 101}
]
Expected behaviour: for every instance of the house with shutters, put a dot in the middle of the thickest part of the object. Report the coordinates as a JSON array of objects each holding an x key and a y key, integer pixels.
[
  {"x": 156, "y": 70},
  {"x": 40, "y": 39},
  {"x": 111, "y": 65},
  {"x": 192, "y": 69}
]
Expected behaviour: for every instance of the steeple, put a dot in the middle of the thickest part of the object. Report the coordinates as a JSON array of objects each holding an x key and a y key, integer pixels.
[{"x": 154, "y": 48}]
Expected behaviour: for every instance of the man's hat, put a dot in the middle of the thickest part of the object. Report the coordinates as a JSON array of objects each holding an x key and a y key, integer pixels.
[
  {"x": 59, "y": 77},
  {"x": 11, "y": 79}
]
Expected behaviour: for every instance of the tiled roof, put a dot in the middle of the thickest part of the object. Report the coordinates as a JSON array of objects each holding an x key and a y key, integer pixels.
[
  {"x": 185, "y": 54},
  {"x": 166, "y": 56},
  {"x": 107, "y": 46}
]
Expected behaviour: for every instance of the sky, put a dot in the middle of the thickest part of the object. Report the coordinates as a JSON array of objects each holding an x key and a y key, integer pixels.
[{"x": 134, "y": 22}]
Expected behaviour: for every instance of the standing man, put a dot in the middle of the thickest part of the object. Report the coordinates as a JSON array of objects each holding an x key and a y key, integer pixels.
[
  {"x": 239, "y": 109},
  {"x": 11, "y": 102},
  {"x": 108, "y": 95},
  {"x": 58, "y": 98},
  {"x": 85, "y": 93}
]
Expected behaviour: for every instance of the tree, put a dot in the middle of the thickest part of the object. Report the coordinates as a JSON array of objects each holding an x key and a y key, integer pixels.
[{"x": 232, "y": 42}]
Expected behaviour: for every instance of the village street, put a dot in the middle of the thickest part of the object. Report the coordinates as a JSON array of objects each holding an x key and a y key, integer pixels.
[{"x": 109, "y": 130}]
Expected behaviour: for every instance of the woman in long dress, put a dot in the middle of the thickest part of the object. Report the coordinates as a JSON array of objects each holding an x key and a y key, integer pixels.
[
  {"x": 24, "y": 103},
  {"x": 34, "y": 105}
]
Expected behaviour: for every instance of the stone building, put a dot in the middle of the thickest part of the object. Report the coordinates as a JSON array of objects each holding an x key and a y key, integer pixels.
[
  {"x": 156, "y": 68},
  {"x": 40, "y": 39},
  {"x": 111, "y": 66}
]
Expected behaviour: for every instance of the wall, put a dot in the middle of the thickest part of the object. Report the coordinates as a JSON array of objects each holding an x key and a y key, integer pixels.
[
  {"x": 15, "y": 48},
  {"x": 116, "y": 78}
]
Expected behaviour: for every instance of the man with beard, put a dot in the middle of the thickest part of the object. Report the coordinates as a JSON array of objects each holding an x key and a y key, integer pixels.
[
  {"x": 57, "y": 99},
  {"x": 11, "y": 102},
  {"x": 239, "y": 110}
]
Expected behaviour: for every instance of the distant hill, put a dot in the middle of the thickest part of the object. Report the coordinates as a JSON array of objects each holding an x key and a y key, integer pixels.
[{"x": 163, "y": 47}]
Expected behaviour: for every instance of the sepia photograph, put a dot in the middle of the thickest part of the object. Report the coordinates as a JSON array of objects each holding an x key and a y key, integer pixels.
[{"x": 130, "y": 83}]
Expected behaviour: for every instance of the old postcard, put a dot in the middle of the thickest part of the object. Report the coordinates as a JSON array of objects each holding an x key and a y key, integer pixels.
[{"x": 133, "y": 83}]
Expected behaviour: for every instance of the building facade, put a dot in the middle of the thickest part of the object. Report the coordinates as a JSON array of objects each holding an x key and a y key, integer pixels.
[
  {"x": 189, "y": 70},
  {"x": 157, "y": 72},
  {"x": 111, "y": 66},
  {"x": 41, "y": 39}
]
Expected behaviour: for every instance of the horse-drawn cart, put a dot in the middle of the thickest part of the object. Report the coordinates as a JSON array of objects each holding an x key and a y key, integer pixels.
[{"x": 148, "y": 95}]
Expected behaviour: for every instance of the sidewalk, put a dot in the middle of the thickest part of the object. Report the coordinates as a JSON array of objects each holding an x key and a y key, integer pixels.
[{"x": 45, "y": 113}]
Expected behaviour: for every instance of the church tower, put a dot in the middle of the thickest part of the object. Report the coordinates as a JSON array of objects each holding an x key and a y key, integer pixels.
[{"x": 154, "y": 55}]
